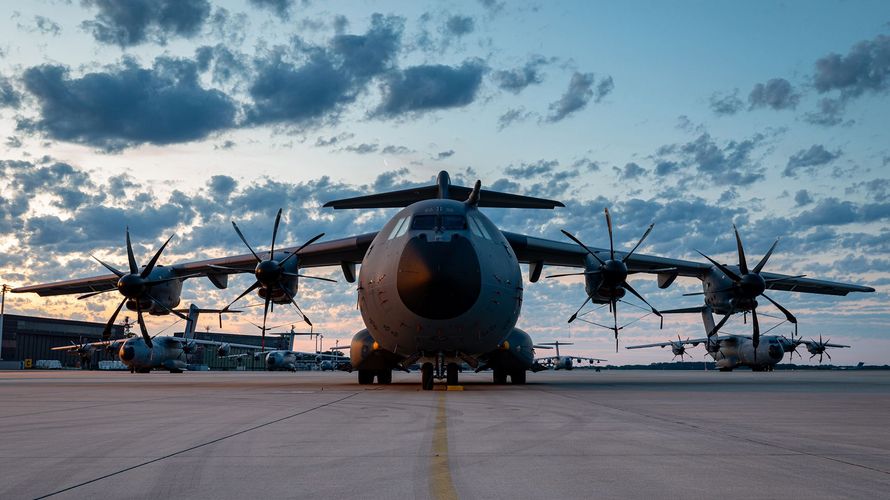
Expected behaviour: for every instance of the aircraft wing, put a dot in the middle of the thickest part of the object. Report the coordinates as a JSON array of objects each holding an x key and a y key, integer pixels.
[
  {"x": 324, "y": 253},
  {"x": 533, "y": 250},
  {"x": 693, "y": 342},
  {"x": 592, "y": 360},
  {"x": 90, "y": 345},
  {"x": 812, "y": 343}
]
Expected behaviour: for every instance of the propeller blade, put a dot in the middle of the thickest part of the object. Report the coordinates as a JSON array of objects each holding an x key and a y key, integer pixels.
[
  {"x": 93, "y": 294},
  {"x": 694, "y": 293},
  {"x": 258, "y": 259},
  {"x": 304, "y": 245},
  {"x": 743, "y": 263},
  {"x": 733, "y": 276},
  {"x": 164, "y": 306},
  {"x": 294, "y": 302},
  {"x": 790, "y": 317},
  {"x": 574, "y": 316},
  {"x": 611, "y": 244},
  {"x": 151, "y": 264},
  {"x": 275, "y": 234},
  {"x": 254, "y": 286},
  {"x": 106, "y": 333},
  {"x": 615, "y": 317},
  {"x": 145, "y": 335},
  {"x": 765, "y": 258},
  {"x": 630, "y": 289},
  {"x": 265, "y": 314},
  {"x": 117, "y": 273},
  {"x": 719, "y": 325},
  {"x": 134, "y": 268},
  {"x": 576, "y": 240},
  {"x": 634, "y": 249},
  {"x": 829, "y": 355},
  {"x": 756, "y": 337}
]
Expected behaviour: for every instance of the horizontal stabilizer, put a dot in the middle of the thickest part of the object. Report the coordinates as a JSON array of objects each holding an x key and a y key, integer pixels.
[
  {"x": 442, "y": 190},
  {"x": 684, "y": 310}
]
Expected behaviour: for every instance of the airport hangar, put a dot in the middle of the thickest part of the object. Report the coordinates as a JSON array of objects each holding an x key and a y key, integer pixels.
[{"x": 32, "y": 338}]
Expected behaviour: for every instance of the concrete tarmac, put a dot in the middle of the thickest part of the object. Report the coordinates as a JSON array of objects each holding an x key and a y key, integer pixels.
[{"x": 577, "y": 434}]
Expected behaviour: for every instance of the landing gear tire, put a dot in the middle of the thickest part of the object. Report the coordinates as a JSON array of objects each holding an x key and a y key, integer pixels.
[
  {"x": 725, "y": 369},
  {"x": 518, "y": 377},
  {"x": 365, "y": 377},
  {"x": 384, "y": 376},
  {"x": 500, "y": 376},
  {"x": 426, "y": 376},
  {"x": 451, "y": 374}
]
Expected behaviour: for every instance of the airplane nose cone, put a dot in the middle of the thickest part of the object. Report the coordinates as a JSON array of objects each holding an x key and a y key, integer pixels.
[
  {"x": 128, "y": 353},
  {"x": 775, "y": 352},
  {"x": 271, "y": 360},
  {"x": 440, "y": 279}
]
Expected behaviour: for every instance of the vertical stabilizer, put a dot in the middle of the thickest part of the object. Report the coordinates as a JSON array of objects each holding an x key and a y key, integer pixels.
[
  {"x": 192, "y": 322},
  {"x": 707, "y": 318}
]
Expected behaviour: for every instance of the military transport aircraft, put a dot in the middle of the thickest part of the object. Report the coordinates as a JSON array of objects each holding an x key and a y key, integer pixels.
[
  {"x": 286, "y": 359},
  {"x": 559, "y": 362},
  {"x": 167, "y": 353},
  {"x": 733, "y": 351},
  {"x": 439, "y": 284}
]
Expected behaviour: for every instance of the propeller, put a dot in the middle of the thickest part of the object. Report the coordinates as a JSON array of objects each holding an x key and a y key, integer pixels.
[
  {"x": 613, "y": 276},
  {"x": 820, "y": 348},
  {"x": 748, "y": 285},
  {"x": 680, "y": 347},
  {"x": 271, "y": 275},
  {"x": 792, "y": 346},
  {"x": 135, "y": 286}
]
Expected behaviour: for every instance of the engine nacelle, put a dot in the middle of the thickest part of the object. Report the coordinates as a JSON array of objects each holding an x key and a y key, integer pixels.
[
  {"x": 223, "y": 350},
  {"x": 366, "y": 354},
  {"x": 189, "y": 347}
]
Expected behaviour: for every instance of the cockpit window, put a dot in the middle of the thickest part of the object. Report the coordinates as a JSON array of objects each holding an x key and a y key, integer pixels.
[
  {"x": 395, "y": 229},
  {"x": 453, "y": 222},
  {"x": 478, "y": 228},
  {"x": 424, "y": 222},
  {"x": 439, "y": 222}
]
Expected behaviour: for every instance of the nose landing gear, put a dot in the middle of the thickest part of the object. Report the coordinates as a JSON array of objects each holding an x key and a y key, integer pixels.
[{"x": 438, "y": 371}]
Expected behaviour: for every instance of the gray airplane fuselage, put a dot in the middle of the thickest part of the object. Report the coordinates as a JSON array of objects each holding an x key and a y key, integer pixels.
[
  {"x": 440, "y": 278},
  {"x": 739, "y": 351},
  {"x": 165, "y": 353}
]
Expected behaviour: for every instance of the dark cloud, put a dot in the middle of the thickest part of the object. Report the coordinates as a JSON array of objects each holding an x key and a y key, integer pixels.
[
  {"x": 227, "y": 66},
  {"x": 222, "y": 186},
  {"x": 586, "y": 164},
  {"x": 362, "y": 149},
  {"x": 493, "y": 6},
  {"x": 777, "y": 94},
  {"x": 580, "y": 92},
  {"x": 317, "y": 89},
  {"x": 728, "y": 164},
  {"x": 445, "y": 154},
  {"x": 9, "y": 97},
  {"x": 876, "y": 189},
  {"x": 664, "y": 168},
  {"x": 830, "y": 113},
  {"x": 420, "y": 89},
  {"x": 529, "y": 170},
  {"x": 396, "y": 150},
  {"x": 807, "y": 159},
  {"x": 136, "y": 21},
  {"x": 126, "y": 106},
  {"x": 13, "y": 142},
  {"x": 226, "y": 145},
  {"x": 514, "y": 115},
  {"x": 282, "y": 8},
  {"x": 630, "y": 171},
  {"x": 802, "y": 198},
  {"x": 458, "y": 25},
  {"x": 726, "y": 104},
  {"x": 517, "y": 79},
  {"x": 865, "y": 68},
  {"x": 333, "y": 140},
  {"x": 46, "y": 26}
]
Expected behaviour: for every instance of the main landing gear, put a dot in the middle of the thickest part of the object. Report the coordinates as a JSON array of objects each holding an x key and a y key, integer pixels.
[{"x": 366, "y": 377}]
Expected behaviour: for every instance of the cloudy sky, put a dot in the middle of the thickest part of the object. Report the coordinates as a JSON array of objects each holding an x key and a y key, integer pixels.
[{"x": 177, "y": 116}]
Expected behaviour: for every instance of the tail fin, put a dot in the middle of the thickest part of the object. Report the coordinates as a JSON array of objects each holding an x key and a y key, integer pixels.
[
  {"x": 443, "y": 190},
  {"x": 708, "y": 319},
  {"x": 192, "y": 322}
]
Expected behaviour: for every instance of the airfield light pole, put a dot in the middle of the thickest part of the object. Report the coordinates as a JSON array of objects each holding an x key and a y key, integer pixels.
[{"x": 5, "y": 289}]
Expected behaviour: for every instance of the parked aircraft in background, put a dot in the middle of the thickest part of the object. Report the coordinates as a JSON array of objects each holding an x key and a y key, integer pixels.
[
  {"x": 163, "y": 352},
  {"x": 732, "y": 351},
  {"x": 559, "y": 362},
  {"x": 286, "y": 360},
  {"x": 440, "y": 283}
]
